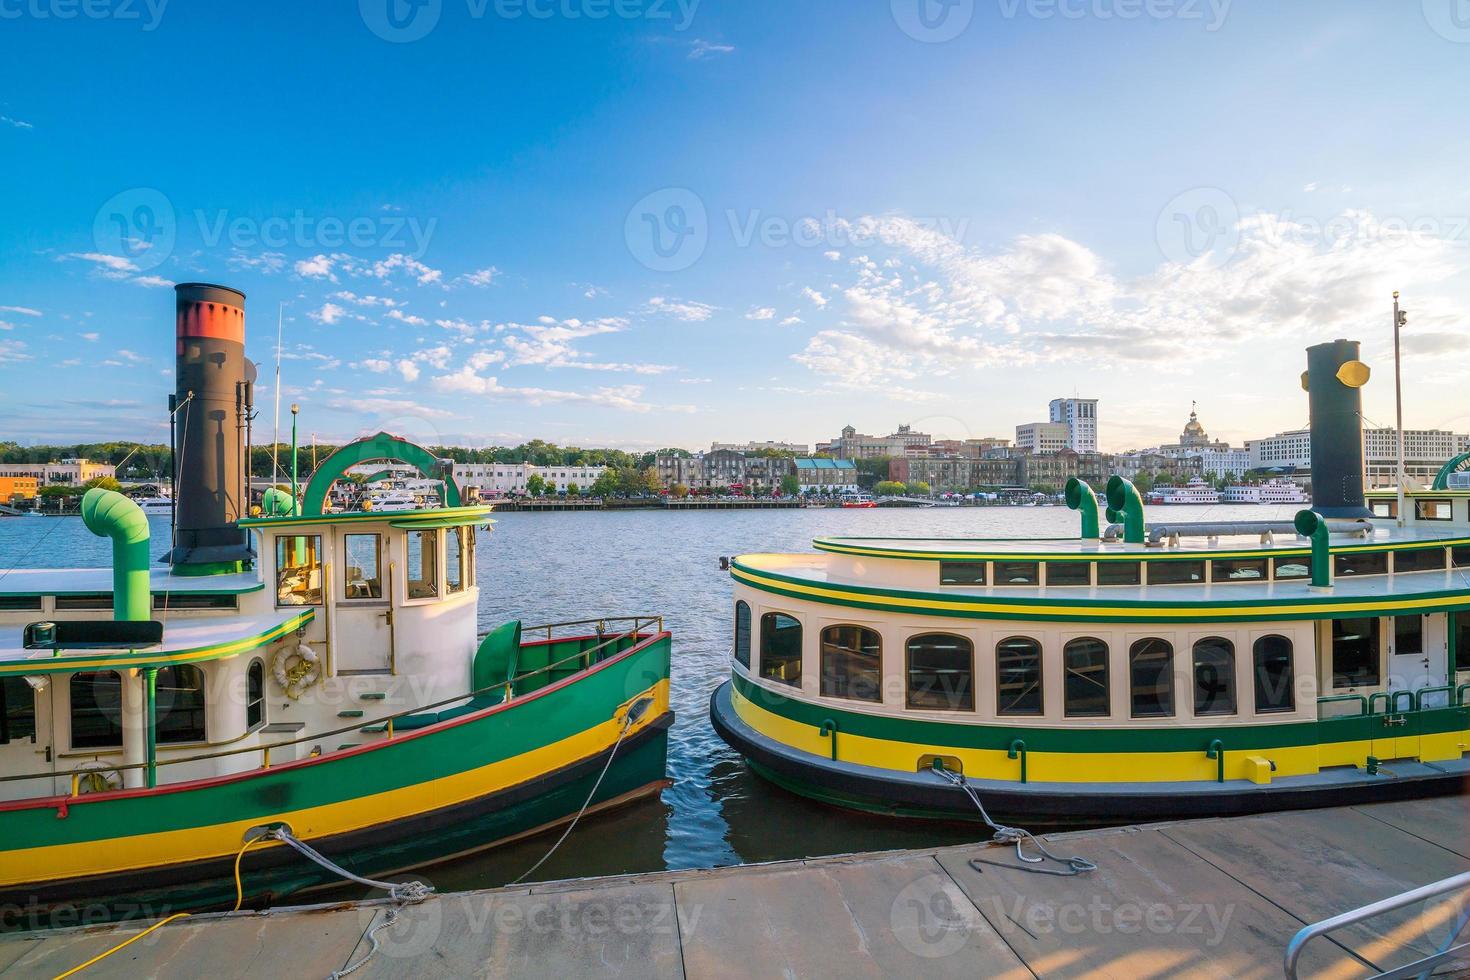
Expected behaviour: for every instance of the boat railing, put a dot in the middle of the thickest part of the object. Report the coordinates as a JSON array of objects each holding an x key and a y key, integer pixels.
[
  {"x": 585, "y": 658},
  {"x": 599, "y": 625},
  {"x": 1396, "y": 702},
  {"x": 1416, "y": 896}
]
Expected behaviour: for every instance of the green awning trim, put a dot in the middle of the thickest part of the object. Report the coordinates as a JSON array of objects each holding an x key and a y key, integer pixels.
[{"x": 423, "y": 525}]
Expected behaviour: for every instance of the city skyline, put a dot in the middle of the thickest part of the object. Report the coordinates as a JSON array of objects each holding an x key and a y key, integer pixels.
[{"x": 491, "y": 266}]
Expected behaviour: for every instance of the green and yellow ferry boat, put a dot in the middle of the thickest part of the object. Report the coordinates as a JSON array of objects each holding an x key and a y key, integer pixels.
[
  {"x": 1140, "y": 671},
  {"x": 302, "y": 670}
]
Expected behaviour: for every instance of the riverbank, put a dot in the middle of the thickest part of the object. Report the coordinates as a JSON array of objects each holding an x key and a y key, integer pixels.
[{"x": 1215, "y": 897}]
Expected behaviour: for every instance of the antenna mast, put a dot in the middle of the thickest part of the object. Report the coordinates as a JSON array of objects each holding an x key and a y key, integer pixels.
[{"x": 276, "y": 430}]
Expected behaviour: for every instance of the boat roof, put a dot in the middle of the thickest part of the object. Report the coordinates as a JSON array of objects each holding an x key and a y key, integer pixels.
[
  {"x": 425, "y": 518},
  {"x": 1386, "y": 537},
  {"x": 190, "y": 640},
  {"x": 92, "y": 581}
]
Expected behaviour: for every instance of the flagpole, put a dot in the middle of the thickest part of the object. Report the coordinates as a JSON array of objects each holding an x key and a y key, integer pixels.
[
  {"x": 276, "y": 430},
  {"x": 1399, "y": 318}
]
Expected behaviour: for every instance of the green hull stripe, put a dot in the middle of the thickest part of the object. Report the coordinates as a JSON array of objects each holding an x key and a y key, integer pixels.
[
  {"x": 855, "y": 546},
  {"x": 999, "y": 736}
]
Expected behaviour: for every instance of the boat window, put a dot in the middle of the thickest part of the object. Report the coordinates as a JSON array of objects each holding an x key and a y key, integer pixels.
[
  {"x": 1354, "y": 653},
  {"x": 96, "y": 709},
  {"x": 1238, "y": 570},
  {"x": 164, "y": 601},
  {"x": 17, "y": 710},
  {"x": 1461, "y": 627},
  {"x": 1017, "y": 573},
  {"x": 1419, "y": 560},
  {"x": 1175, "y": 572},
  {"x": 1069, "y": 573},
  {"x": 92, "y": 600},
  {"x": 1151, "y": 678},
  {"x": 1214, "y": 676},
  {"x": 1018, "y": 676},
  {"x": 1360, "y": 563},
  {"x": 254, "y": 695},
  {"x": 1085, "y": 684},
  {"x": 1408, "y": 635},
  {"x": 781, "y": 648},
  {"x": 454, "y": 560},
  {"x": 180, "y": 700},
  {"x": 1384, "y": 508},
  {"x": 1460, "y": 557},
  {"x": 20, "y": 602},
  {"x": 742, "y": 633},
  {"x": 298, "y": 570},
  {"x": 1275, "y": 682},
  {"x": 423, "y": 564},
  {"x": 1289, "y": 568},
  {"x": 852, "y": 665},
  {"x": 962, "y": 573},
  {"x": 363, "y": 555},
  {"x": 469, "y": 556},
  {"x": 941, "y": 672},
  {"x": 1118, "y": 573},
  {"x": 1432, "y": 510}
]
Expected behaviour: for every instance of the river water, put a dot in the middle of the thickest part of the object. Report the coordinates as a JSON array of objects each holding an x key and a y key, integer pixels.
[{"x": 544, "y": 568}]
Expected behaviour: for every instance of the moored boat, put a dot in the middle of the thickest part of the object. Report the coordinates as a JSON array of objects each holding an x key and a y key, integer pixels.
[
  {"x": 1140, "y": 671},
  {"x": 300, "y": 671}
]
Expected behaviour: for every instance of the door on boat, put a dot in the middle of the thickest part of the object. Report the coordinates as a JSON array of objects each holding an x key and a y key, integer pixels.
[
  {"x": 25, "y": 738},
  {"x": 1418, "y": 656},
  {"x": 362, "y": 627}
]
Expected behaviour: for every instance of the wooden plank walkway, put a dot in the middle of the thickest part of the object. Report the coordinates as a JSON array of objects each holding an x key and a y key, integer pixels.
[{"x": 1208, "y": 898}]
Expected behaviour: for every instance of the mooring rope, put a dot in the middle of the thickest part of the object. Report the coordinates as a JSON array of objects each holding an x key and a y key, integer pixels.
[{"x": 1017, "y": 836}]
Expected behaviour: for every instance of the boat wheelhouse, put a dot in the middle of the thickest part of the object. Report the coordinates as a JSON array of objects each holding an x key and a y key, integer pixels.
[
  {"x": 301, "y": 669},
  {"x": 1139, "y": 671}
]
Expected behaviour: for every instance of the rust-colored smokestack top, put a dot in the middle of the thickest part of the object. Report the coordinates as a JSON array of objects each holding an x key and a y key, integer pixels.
[{"x": 211, "y": 370}]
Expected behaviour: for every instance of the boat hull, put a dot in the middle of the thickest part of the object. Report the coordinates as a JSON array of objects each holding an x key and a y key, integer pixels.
[
  {"x": 458, "y": 786},
  {"x": 1062, "y": 804}
]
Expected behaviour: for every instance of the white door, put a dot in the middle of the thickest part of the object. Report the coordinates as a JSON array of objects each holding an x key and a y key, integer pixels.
[
  {"x": 362, "y": 633},
  {"x": 1418, "y": 655},
  {"x": 25, "y": 738}
]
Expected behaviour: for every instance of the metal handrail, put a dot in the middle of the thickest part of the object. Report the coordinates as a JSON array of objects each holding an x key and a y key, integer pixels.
[
  {"x": 386, "y": 720},
  {"x": 1332, "y": 698},
  {"x": 600, "y": 623},
  {"x": 1420, "y": 967}
]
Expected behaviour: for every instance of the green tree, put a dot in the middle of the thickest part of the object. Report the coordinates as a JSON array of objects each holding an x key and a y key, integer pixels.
[
  {"x": 651, "y": 482},
  {"x": 630, "y": 481},
  {"x": 790, "y": 485},
  {"x": 573, "y": 490},
  {"x": 606, "y": 485},
  {"x": 679, "y": 490},
  {"x": 918, "y": 488},
  {"x": 889, "y": 488},
  {"x": 536, "y": 485}
]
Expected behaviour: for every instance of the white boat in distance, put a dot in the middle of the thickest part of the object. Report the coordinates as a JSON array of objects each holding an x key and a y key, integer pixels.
[
  {"x": 1196, "y": 491},
  {"x": 1272, "y": 492}
]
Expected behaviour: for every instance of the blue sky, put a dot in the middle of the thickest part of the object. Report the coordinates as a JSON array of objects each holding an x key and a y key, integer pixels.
[{"x": 863, "y": 215}]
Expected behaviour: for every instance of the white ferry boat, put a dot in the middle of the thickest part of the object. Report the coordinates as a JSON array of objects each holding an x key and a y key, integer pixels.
[
  {"x": 1273, "y": 492},
  {"x": 163, "y": 506},
  {"x": 1196, "y": 491}
]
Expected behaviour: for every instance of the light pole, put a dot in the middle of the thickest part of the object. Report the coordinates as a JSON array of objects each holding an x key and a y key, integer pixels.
[{"x": 1400, "y": 317}]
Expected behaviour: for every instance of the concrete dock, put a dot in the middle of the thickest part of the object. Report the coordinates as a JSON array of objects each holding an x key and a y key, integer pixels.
[{"x": 1212, "y": 898}]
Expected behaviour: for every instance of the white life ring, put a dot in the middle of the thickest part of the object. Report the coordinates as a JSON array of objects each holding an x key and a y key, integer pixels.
[
  {"x": 296, "y": 669},
  {"x": 97, "y": 777}
]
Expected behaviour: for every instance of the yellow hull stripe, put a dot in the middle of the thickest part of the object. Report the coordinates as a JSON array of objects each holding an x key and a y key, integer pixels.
[
  {"x": 61, "y": 861},
  {"x": 1093, "y": 767}
]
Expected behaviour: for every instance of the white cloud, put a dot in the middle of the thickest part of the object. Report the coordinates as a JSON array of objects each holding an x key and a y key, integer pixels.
[
  {"x": 111, "y": 266},
  {"x": 705, "y": 49},
  {"x": 389, "y": 407},
  {"x": 329, "y": 313},
  {"x": 12, "y": 351},
  {"x": 624, "y": 397},
  {"x": 152, "y": 281},
  {"x": 687, "y": 310},
  {"x": 91, "y": 337},
  {"x": 480, "y": 277},
  {"x": 409, "y": 370},
  {"x": 398, "y": 262},
  {"x": 347, "y": 296},
  {"x": 816, "y": 298},
  {"x": 375, "y": 365},
  {"x": 17, "y": 123},
  {"x": 761, "y": 313},
  {"x": 833, "y": 256},
  {"x": 408, "y": 318},
  {"x": 266, "y": 263},
  {"x": 792, "y": 321},
  {"x": 22, "y": 310},
  {"x": 316, "y": 267}
]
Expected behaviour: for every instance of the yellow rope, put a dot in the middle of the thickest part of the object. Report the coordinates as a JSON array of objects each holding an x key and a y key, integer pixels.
[
  {"x": 102, "y": 956},
  {"x": 239, "y": 900}
]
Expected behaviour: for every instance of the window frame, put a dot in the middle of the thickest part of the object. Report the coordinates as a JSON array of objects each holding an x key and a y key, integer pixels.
[
  {"x": 1219, "y": 564},
  {"x": 772, "y": 617},
  {"x": 378, "y": 556},
  {"x": 1083, "y": 563},
  {"x": 1342, "y": 567},
  {"x": 1231, "y": 686},
  {"x": 202, "y": 709},
  {"x": 9, "y": 688},
  {"x": 255, "y": 665},
  {"x": 984, "y": 578},
  {"x": 71, "y": 712},
  {"x": 422, "y": 534},
  {"x": 1134, "y": 653},
  {"x": 1157, "y": 567},
  {"x": 450, "y": 587},
  {"x": 1068, "y": 673},
  {"x": 1447, "y": 503},
  {"x": 1375, "y": 644},
  {"x": 278, "y": 540},
  {"x": 1256, "y": 677},
  {"x": 1040, "y": 685},
  {"x": 749, "y": 627},
  {"x": 1398, "y": 555},
  {"x": 966, "y": 701},
  {"x": 1035, "y": 577},
  {"x": 876, "y": 696},
  {"x": 1136, "y": 566}
]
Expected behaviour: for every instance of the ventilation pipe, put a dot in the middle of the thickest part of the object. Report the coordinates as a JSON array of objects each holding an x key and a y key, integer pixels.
[
  {"x": 109, "y": 514},
  {"x": 1081, "y": 498},
  {"x": 1124, "y": 498}
]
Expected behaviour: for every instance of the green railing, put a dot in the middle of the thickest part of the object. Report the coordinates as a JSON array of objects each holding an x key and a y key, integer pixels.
[{"x": 633, "y": 635}]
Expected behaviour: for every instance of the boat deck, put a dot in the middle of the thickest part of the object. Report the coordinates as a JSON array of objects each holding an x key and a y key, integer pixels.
[
  {"x": 1216, "y": 897},
  {"x": 98, "y": 581}
]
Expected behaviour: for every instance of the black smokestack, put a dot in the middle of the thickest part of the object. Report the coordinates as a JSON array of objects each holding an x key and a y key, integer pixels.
[
  {"x": 211, "y": 366},
  {"x": 1334, "y": 381}
]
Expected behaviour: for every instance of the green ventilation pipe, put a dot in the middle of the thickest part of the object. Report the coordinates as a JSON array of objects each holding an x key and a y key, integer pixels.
[
  {"x": 278, "y": 503},
  {"x": 1310, "y": 524},
  {"x": 109, "y": 514},
  {"x": 1124, "y": 498},
  {"x": 1081, "y": 498}
]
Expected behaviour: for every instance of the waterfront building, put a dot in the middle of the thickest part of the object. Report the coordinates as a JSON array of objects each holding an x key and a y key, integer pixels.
[
  {"x": 1284, "y": 450},
  {"x": 1079, "y": 415},
  {"x": 1425, "y": 451},
  {"x": 852, "y": 444},
  {"x": 494, "y": 479},
  {"x": 65, "y": 472},
  {"x": 826, "y": 475},
  {"x": 1043, "y": 437},
  {"x": 1158, "y": 466},
  {"x": 17, "y": 488},
  {"x": 794, "y": 448}
]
